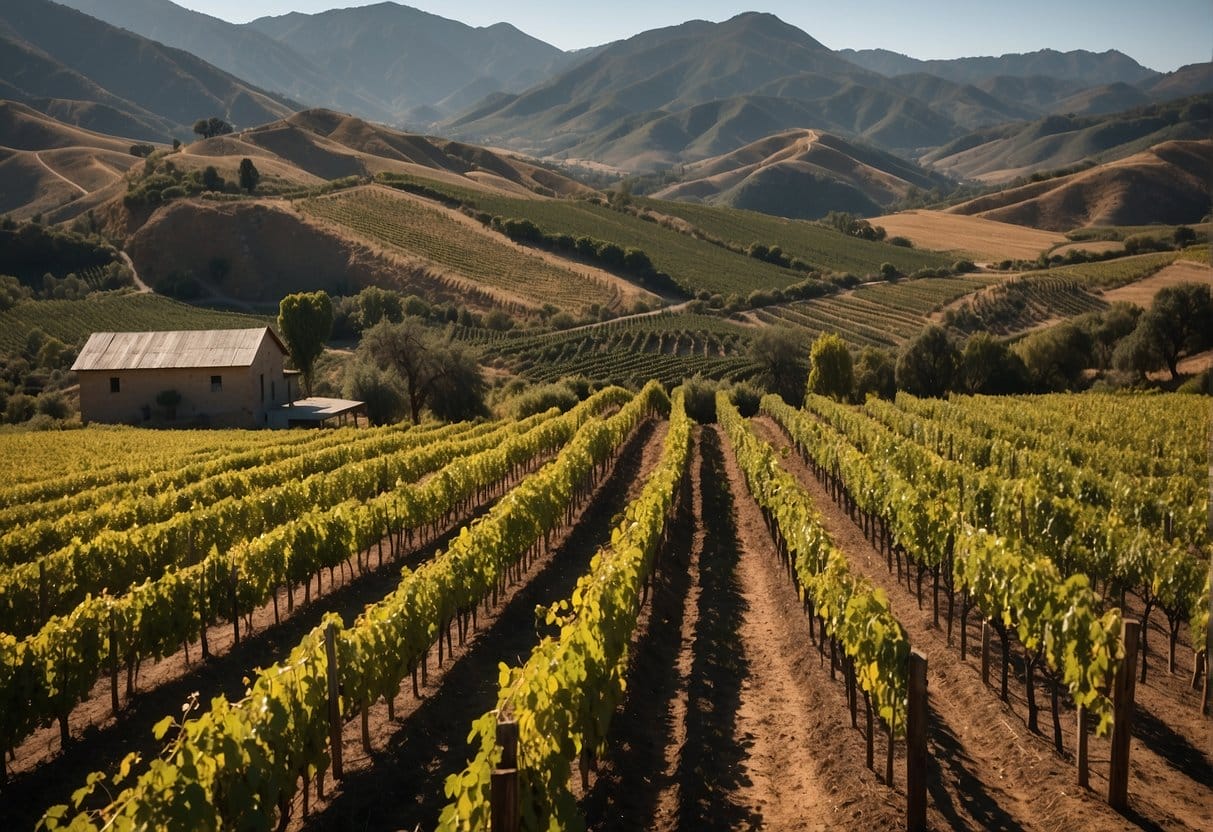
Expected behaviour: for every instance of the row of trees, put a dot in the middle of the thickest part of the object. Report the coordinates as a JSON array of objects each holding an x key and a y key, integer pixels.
[
  {"x": 401, "y": 366},
  {"x": 1178, "y": 323}
]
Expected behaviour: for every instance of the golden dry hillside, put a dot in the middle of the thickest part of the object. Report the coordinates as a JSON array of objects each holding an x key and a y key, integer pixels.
[
  {"x": 1169, "y": 183},
  {"x": 800, "y": 173},
  {"x": 978, "y": 237},
  {"x": 46, "y": 164}
]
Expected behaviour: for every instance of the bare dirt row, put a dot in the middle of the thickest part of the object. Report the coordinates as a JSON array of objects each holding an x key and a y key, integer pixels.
[
  {"x": 399, "y": 785},
  {"x": 988, "y": 771},
  {"x": 731, "y": 719}
]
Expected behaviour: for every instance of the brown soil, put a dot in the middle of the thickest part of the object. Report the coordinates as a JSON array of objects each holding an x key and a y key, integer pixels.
[
  {"x": 988, "y": 769},
  {"x": 271, "y": 249},
  {"x": 399, "y": 784},
  {"x": 731, "y": 720}
]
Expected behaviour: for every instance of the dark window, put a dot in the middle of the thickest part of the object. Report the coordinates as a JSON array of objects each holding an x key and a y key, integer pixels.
[
  {"x": 115, "y": 385},
  {"x": 216, "y": 383},
  {"x": 263, "y": 387}
]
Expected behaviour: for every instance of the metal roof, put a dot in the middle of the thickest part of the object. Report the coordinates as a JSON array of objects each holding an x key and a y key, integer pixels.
[
  {"x": 318, "y": 408},
  {"x": 173, "y": 350}
]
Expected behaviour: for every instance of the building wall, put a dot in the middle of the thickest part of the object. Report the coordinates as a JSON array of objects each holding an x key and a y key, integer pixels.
[{"x": 239, "y": 401}]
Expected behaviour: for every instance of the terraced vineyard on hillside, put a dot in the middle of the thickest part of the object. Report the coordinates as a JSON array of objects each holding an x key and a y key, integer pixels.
[
  {"x": 415, "y": 229},
  {"x": 666, "y": 346},
  {"x": 878, "y": 315},
  {"x": 71, "y": 321},
  {"x": 823, "y": 247},
  {"x": 695, "y": 265}
]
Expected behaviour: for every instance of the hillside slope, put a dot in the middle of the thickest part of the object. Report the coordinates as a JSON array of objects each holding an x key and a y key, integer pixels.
[
  {"x": 53, "y": 57},
  {"x": 417, "y": 66},
  {"x": 1001, "y": 154},
  {"x": 45, "y": 163},
  {"x": 801, "y": 174},
  {"x": 1169, "y": 183},
  {"x": 700, "y": 89},
  {"x": 240, "y": 50}
]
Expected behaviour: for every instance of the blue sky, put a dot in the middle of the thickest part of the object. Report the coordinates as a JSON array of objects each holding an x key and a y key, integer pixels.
[{"x": 1162, "y": 35}]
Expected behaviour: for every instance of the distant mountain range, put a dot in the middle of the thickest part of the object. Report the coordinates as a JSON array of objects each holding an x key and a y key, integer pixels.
[
  {"x": 86, "y": 72},
  {"x": 1079, "y": 65},
  {"x": 386, "y": 62},
  {"x": 696, "y": 90},
  {"x": 756, "y": 111}
]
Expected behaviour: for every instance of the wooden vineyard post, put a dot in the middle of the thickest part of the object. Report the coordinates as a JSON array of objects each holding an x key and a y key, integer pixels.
[
  {"x": 235, "y": 608},
  {"x": 1122, "y": 727},
  {"x": 1080, "y": 748},
  {"x": 916, "y": 745},
  {"x": 505, "y": 812},
  {"x": 1206, "y": 694},
  {"x": 113, "y": 639},
  {"x": 985, "y": 653},
  {"x": 330, "y": 654}
]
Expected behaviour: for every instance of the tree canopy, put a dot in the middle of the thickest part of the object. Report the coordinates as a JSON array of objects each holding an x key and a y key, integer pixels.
[
  {"x": 875, "y": 373},
  {"x": 249, "y": 175},
  {"x": 927, "y": 365},
  {"x": 831, "y": 373},
  {"x": 988, "y": 366},
  {"x": 208, "y": 128},
  {"x": 1179, "y": 322},
  {"x": 434, "y": 372},
  {"x": 780, "y": 354},
  {"x": 305, "y": 320}
]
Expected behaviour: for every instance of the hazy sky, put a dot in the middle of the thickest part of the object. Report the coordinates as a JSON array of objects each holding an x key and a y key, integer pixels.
[{"x": 1163, "y": 34}]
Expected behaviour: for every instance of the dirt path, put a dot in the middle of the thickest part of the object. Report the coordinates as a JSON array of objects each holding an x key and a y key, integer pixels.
[
  {"x": 58, "y": 175},
  {"x": 143, "y": 288},
  {"x": 731, "y": 721},
  {"x": 988, "y": 770},
  {"x": 399, "y": 785}
]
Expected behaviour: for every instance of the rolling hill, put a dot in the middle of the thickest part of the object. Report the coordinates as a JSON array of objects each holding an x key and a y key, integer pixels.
[
  {"x": 54, "y": 168},
  {"x": 1168, "y": 183},
  {"x": 1001, "y": 154},
  {"x": 45, "y": 164},
  {"x": 801, "y": 174},
  {"x": 98, "y": 76}
]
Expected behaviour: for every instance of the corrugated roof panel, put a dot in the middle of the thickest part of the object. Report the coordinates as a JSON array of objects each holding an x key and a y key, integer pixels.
[{"x": 172, "y": 349}]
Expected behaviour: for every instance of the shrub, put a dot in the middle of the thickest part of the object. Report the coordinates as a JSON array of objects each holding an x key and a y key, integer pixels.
[
  {"x": 746, "y": 397},
  {"x": 541, "y": 398},
  {"x": 700, "y": 399},
  {"x": 54, "y": 405},
  {"x": 20, "y": 408}
]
